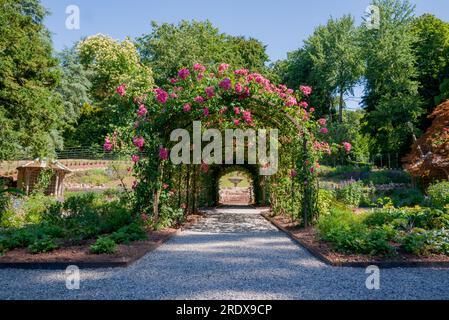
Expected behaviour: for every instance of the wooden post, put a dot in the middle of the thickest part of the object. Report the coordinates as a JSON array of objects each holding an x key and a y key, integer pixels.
[{"x": 306, "y": 198}]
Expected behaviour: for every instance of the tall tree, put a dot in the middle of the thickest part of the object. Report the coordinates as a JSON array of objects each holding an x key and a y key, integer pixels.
[
  {"x": 107, "y": 64},
  {"x": 31, "y": 112},
  {"x": 391, "y": 93},
  {"x": 432, "y": 60},
  {"x": 170, "y": 47},
  {"x": 336, "y": 57},
  {"x": 297, "y": 70}
]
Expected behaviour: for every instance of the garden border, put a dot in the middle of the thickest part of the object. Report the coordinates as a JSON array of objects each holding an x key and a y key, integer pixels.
[
  {"x": 354, "y": 264},
  {"x": 115, "y": 262}
]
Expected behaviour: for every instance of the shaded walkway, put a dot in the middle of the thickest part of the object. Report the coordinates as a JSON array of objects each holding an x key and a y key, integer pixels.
[{"x": 232, "y": 254}]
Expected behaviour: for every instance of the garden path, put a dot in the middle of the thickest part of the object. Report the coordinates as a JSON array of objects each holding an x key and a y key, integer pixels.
[{"x": 233, "y": 253}]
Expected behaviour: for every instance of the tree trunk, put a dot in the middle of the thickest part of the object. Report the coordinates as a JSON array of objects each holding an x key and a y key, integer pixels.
[
  {"x": 157, "y": 194},
  {"x": 340, "y": 110},
  {"x": 306, "y": 198}
]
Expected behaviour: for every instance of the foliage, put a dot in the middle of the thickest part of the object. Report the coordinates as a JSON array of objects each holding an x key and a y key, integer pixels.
[
  {"x": 326, "y": 200},
  {"x": 391, "y": 93},
  {"x": 170, "y": 47},
  {"x": 439, "y": 194},
  {"x": 223, "y": 98},
  {"x": 351, "y": 193},
  {"x": 30, "y": 109},
  {"x": 346, "y": 232},
  {"x": 104, "y": 245},
  {"x": 106, "y": 63},
  {"x": 419, "y": 231},
  {"x": 129, "y": 233},
  {"x": 431, "y": 50},
  {"x": 42, "y": 245},
  {"x": 336, "y": 57}
]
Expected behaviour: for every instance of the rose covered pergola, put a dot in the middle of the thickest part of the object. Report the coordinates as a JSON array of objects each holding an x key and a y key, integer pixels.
[{"x": 226, "y": 99}]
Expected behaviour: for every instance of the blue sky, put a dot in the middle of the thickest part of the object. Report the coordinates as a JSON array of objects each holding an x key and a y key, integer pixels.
[{"x": 282, "y": 25}]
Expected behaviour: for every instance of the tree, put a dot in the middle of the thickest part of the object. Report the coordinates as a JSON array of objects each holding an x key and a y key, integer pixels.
[
  {"x": 432, "y": 60},
  {"x": 297, "y": 70},
  {"x": 336, "y": 57},
  {"x": 170, "y": 47},
  {"x": 31, "y": 112},
  {"x": 74, "y": 86},
  {"x": 391, "y": 94},
  {"x": 107, "y": 64}
]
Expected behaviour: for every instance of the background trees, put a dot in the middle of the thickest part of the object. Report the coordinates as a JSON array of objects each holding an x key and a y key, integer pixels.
[
  {"x": 31, "y": 111},
  {"x": 170, "y": 47},
  {"x": 391, "y": 92}
]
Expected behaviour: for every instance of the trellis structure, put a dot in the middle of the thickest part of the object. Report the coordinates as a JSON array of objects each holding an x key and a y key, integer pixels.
[{"x": 224, "y": 99}]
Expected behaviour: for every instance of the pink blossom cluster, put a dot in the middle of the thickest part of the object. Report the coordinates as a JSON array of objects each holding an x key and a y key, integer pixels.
[
  {"x": 142, "y": 112},
  {"x": 184, "y": 73},
  {"x": 161, "y": 95},
  {"x": 107, "y": 146},
  {"x": 163, "y": 153},
  {"x": 223, "y": 67},
  {"x": 347, "y": 146},
  {"x": 306, "y": 90},
  {"x": 225, "y": 84},
  {"x": 210, "y": 92},
  {"x": 139, "y": 142},
  {"x": 121, "y": 90}
]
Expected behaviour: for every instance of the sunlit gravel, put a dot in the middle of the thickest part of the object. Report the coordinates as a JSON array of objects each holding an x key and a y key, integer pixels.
[{"x": 234, "y": 253}]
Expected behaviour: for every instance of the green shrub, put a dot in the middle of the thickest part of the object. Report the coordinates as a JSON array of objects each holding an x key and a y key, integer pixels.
[
  {"x": 439, "y": 194},
  {"x": 351, "y": 193},
  {"x": 104, "y": 245},
  {"x": 129, "y": 233},
  {"x": 326, "y": 199},
  {"x": 406, "y": 197},
  {"x": 416, "y": 242},
  {"x": 348, "y": 234},
  {"x": 42, "y": 245}
]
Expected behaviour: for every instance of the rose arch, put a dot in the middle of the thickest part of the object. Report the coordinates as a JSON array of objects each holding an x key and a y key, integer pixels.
[{"x": 224, "y": 99}]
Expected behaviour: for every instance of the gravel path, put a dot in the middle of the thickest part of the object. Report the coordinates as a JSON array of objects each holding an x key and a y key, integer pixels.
[{"x": 232, "y": 254}]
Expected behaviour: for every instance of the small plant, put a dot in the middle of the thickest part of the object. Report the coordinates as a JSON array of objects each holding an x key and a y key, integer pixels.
[
  {"x": 129, "y": 233},
  {"x": 439, "y": 194},
  {"x": 104, "y": 245},
  {"x": 42, "y": 245},
  {"x": 351, "y": 193}
]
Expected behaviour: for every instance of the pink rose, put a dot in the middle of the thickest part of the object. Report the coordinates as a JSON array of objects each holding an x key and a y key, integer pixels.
[
  {"x": 121, "y": 90},
  {"x": 184, "y": 73},
  {"x": 236, "y": 110},
  {"x": 322, "y": 121},
  {"x": 139, "y": 142},
  {"x": 223, "y": 67},
  {"x": 186, "y": 107},
  {"x": 236, "y": 121},
  {"x": 199, "y": 67},
  {"x": 238, "y": 88},
  {"x": 241, "y": 72},
  {"x": 199, "y": 99},
  {"x": 107, "y": 145},
  {"x": 291, "y": 101},
  {"x": 225, "y": 84},
  {"x": 135, "y": 158},
  {"x": 142, "y": 111},
  {"x": 306, "y": 90},
  {"x": 206, "y": 112},
  {"x": 210, "y": 91},
  {"x": 324, "y": 130},
  {"x": 163, "y": 153},
  {"x": 347, "y": 146},
  {"x": 161, "y": 95}
]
